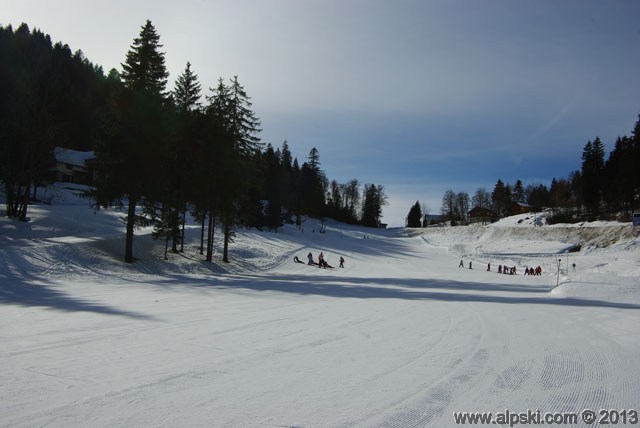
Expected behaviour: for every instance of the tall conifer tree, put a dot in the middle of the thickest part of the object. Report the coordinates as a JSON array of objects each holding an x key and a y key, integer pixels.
[
  {"x": 592, "y": 176},
  {"x": 243, "y": 123},
  {"x": 374, "y": 199},
  {"x": 144, "y": 67},
  {"x": 414, "y": 218},
  {"x": 187, "y": 92},
  {"x": 127, "y": 161},
  {"x": 177, "y": 184}
]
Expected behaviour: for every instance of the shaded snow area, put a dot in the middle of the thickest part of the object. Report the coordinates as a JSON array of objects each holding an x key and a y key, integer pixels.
[{"x": 400, "y": 337}]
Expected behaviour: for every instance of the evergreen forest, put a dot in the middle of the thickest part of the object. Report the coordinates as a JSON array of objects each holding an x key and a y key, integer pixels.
[{"x": 164, "y": 156}]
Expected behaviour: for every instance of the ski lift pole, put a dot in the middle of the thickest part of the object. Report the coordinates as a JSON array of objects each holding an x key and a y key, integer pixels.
[{"x": 558, "y": 274}]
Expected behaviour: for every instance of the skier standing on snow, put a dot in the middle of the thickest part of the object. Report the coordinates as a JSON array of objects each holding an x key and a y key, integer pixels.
[
  {"x": 461, "y": 264},
  {"x": 341, "y": 261},
  {"x": 310, "y": 257}
]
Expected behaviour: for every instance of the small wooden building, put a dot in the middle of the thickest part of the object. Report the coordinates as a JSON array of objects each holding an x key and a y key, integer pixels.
[
  {"x": 520, "y": 208},
  {"x": 71, "y": 165},
  {"x": 481, "y": 215}
]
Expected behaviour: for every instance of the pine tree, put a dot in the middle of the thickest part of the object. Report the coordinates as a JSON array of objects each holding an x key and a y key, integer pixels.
[
  {"x": 297, "y": 195},
  {"x": 334, "y": 200},
  {"x": 187, "y": 92},
  {"x": 373, "y": 200},
  {"x": 619, "y": 188},
  {"x": 144, "y": 68},
  {"x": 215, "y": 149},
  {"x": 285, "y": 184},
  {"x": 352, "y": 199},
  {"x": 559, "y": 195},
  {"x": 49, "y": 97},
  {"x": 27, "y": 108},
  {"x": 272, "y": 188},
  {"x": 230, "y": 111},
  {"x": 314, "y": 184},
  {"x": 592, "y": 176},
  {"x": 286, "y": 160},
  {"x": 518, "y": 192},
  {"x": 180, "y": 182},
  {"x": 243, "y": 123},
  {"x": 537, "y": 195},
  {"x": 414, "y": 218},
  {"x": 136, "y": 133},
  {"x": 214, "y": 156},
  {"x": 500, "y": 199}
]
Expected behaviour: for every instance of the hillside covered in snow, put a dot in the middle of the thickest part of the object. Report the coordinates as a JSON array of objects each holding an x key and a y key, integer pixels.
[{"x": 401, "y": 336}]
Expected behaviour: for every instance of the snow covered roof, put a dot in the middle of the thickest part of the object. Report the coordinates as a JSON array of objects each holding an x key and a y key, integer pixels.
[{"x": 72, "y": 157}]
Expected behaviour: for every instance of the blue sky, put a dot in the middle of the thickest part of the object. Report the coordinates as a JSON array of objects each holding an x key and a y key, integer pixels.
[{"x": 419, "y": 96}]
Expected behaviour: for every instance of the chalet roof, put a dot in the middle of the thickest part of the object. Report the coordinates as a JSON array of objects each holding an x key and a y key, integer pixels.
[{"x": 72, "y": 157}]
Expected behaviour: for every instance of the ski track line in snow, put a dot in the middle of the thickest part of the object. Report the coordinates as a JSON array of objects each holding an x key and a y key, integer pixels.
[{"x": 420, "y": 407}]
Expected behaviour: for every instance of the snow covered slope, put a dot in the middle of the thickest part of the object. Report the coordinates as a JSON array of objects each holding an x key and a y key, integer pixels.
[{"x": 400, "y": 337}]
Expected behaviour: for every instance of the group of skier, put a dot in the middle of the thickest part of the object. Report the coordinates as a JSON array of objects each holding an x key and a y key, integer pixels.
[
  {"x": 512, "y": 270},
  {"x": 536, "y": 271},
  {"x": 509, "y": 270},
  {"x": 322, "y": 262},
  {"x": 506, "y": 269}
]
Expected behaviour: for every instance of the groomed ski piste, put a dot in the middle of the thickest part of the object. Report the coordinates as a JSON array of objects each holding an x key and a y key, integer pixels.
[{"x": 400, "y": 337}]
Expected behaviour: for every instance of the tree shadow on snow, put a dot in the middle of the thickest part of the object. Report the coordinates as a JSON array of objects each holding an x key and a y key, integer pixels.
[
  {"x": 390, "y": 288},
  {"x": 20, "y": 293}
]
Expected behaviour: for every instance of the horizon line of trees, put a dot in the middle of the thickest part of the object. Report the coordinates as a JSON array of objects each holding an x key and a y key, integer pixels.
[
  {"x": 160, "y": 154},
  {"x": 602, "y": 189}
]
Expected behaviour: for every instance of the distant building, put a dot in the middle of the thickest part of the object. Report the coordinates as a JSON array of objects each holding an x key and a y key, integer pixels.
[
  {"x": 520, "y": 208},
  {"x": 71, "y": 165},
  {"x": 481, "y": 215},
  {"x": 429, "y": 219}
]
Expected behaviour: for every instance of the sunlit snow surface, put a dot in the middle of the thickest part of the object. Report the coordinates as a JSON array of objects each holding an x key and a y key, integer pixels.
[{"x": 400, "y": 337}]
